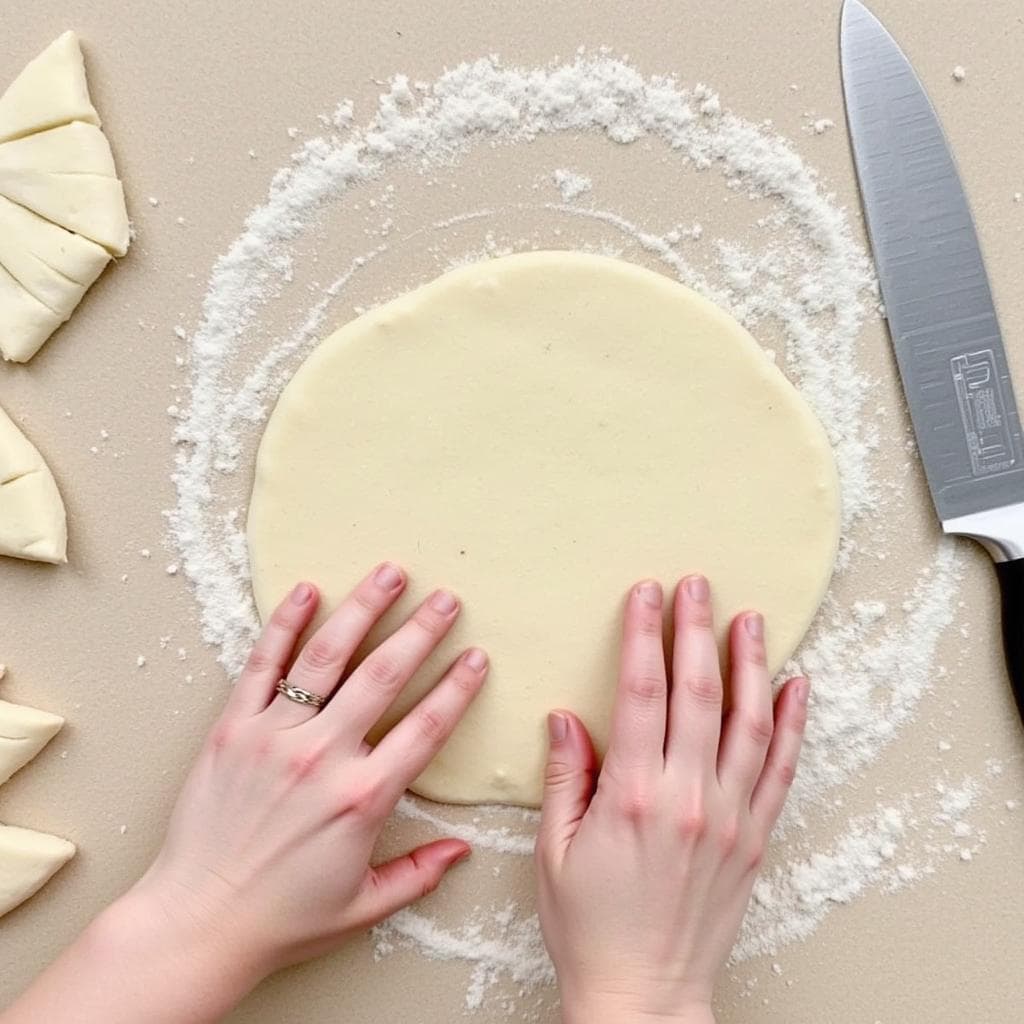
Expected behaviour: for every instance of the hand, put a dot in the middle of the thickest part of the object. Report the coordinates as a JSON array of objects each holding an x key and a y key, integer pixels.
[
  {"x": 267, "y": 857},
  {"x": 270, "y": 840},
  {"x": 644, "y": 883}
]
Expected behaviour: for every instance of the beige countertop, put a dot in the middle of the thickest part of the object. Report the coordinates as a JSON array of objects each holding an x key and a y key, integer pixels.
[{"x": 186, "y": 91}]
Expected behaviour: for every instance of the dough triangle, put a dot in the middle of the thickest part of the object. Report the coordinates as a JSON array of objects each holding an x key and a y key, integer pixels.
[
  {"x": 33, "y": 523},
  {"x": 51, "y": 90},
  {"x": 28, "y": 860},
  {"x": 88, "y": 204},
  {"x": 53, "y": 265},
  {"x": 25, "y": 323},
  {"x": 24, "y": 732},
  {"x": 72, "y": 255},
  {"x": 75, "y": 148}
]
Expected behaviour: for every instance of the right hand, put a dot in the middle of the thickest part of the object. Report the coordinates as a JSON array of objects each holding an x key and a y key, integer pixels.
[{"x": 644, "y": 883}]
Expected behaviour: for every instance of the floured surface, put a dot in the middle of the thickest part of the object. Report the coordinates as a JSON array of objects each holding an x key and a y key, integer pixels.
[
  {"x": 554, "y": 427},
  {"x": 73, "y": 637}
]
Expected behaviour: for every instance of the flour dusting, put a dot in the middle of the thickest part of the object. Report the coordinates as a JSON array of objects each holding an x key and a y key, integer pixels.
[
  {"x": 795, "y": 275},
  {"x": 571, "y": 184}
]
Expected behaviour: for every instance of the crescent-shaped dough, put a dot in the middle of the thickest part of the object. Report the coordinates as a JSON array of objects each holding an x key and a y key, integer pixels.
[
  {"x": 28, "y": 860},
  {"x": 24, "y": 731},
  {"x": 51, "y": 90},
  {"x": 538, "y": 432},
  {"x": 33, "y": 523}
]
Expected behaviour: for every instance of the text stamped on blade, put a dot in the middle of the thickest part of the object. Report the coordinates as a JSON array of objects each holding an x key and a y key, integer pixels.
[{"x": 983, "y": 413}]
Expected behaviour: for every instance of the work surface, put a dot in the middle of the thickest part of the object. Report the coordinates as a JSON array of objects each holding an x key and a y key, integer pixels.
[{"x": 198, "y": 100}]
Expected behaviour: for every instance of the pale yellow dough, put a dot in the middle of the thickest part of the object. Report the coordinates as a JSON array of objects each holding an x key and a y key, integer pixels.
[
  {"x": 28, "y": 860},
  {"x": 33, "y": 523},
  {"x": 50, "y": 90},
  {"x": 24, "y": 732},
  {"x": 538, "y": 432},
  {"x": 62, "y": 209}
]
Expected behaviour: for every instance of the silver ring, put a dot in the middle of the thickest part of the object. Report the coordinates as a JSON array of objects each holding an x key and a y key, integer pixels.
[{"x": 299, "y": 695}]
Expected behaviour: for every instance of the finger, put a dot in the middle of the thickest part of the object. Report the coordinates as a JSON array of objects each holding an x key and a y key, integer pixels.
[
  {"x": 322, "y": 660},
  {"x": 637, "y": 740},
  {"x": 568, "y": 784},
  {"x": 696, "y": 712},
  {"x": 412, "y": 743},
  {"x": 749, "y": 725},
  {"x": 370, "y": 690},
  {"x": 780, "y": 764},
  {"x": 404, "y": 880},
  {"x": 270, "y": 655}
]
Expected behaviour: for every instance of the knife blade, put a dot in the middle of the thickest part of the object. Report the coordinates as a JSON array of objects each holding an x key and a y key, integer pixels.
[{"x": 939, "y": 308}]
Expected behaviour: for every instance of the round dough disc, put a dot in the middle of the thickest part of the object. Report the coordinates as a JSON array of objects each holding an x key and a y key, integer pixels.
[{"x": 538, "y": 432}]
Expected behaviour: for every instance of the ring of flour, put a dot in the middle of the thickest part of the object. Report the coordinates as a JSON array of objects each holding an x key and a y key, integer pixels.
[{"x": 808, "y": 277}]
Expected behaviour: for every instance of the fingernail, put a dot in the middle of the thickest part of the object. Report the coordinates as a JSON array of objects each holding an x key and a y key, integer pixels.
[
  {"x": 697, "y": 588},
  {"x": 754, "y": 625},
  {"x": 558, "y": 726},
  {"x": 302, "y": 594},
  {"x": 387, "y": 577},
  {"x": 443, "y": 602},
  {"x": 650, "y": 593},
  {"x": 460, "y": 858},
  {"x": 803, "y": 691},
  {"x": 476, "y": 659}
]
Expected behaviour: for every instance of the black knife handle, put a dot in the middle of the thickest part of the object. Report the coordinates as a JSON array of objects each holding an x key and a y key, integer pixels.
[{"x": 1011, "y": 585}]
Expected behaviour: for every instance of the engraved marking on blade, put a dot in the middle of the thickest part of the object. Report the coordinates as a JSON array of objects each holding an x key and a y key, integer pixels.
[{"x": 983, "y": 412}]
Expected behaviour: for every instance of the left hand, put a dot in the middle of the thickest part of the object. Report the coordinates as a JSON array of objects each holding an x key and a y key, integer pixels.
[
  {"x": 267, "y": 858},
  {"x": 269, "y": 845}
]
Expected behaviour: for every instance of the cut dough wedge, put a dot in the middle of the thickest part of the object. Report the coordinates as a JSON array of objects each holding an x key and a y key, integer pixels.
[
  {"x": 28, "y": 860},
  {"x": 75, "y": 148},
  {"x": 33, "y": 523},
  {"x": 51, "y": 90},
  {"x": 62, "y": 210},
  {"x": 25, "y": 323},
  {"x": 24, "y": 732},
  {"x": 53, "y": 265},
  {"x": 88, "y": 204}
]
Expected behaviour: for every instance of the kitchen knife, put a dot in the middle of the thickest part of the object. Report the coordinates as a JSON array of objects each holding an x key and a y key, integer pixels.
[{"x": 940, "y": 311}]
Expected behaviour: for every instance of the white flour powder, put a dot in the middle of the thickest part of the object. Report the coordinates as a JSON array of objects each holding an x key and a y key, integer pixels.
[
  {"x": 571, "y": 184},
  {"x": 794, "y": 273}
]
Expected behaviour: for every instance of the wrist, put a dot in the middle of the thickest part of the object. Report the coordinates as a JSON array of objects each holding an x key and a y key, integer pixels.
[
  {"x": 172, "y": 957},
  {"x": 602, "y": 1008}
]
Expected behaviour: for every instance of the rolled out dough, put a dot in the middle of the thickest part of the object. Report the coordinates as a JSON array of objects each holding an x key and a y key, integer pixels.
[{"x": 538, "y": 432}]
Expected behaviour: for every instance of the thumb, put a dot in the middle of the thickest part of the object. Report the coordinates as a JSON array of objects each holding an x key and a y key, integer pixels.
[
  {"x": 399, "y": 882},
  {"x": 568, "y": 782}
]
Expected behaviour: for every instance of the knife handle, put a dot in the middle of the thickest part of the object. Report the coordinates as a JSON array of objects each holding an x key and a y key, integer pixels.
[{"x": 1011, "y": 586}]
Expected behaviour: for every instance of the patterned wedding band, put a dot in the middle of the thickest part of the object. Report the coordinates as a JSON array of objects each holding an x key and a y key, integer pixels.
[{"x": 299, "y": 695}]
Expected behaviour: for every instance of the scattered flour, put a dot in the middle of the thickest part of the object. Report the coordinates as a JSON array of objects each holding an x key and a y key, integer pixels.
[
  {"x": 959, "y": 73},
  {"x": 805, "y": 276},
  {"x": 790, "y": 901},
  {"x": 571, "y": 184}
]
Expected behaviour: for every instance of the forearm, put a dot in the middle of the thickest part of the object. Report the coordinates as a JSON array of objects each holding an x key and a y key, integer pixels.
[{"x": 131, "y": 964}]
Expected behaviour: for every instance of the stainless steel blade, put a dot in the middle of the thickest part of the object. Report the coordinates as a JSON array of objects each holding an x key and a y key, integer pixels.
[{"x": 937, "y": 298}]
